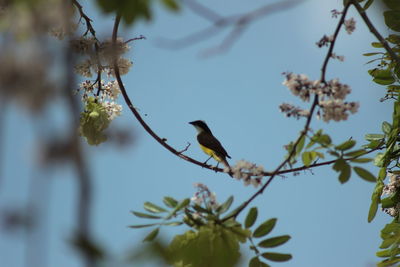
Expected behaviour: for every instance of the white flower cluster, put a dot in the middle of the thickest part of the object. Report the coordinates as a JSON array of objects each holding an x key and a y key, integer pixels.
[
  {"x": 330, "y": 94},
  {"x": 249, "y": 172},
  {"x": 106, "y": 96},
  {"x": 100, "y": 56},
  {"x": 292, "y": 111},
  {"x": 350, "y": 25},
  {"x": 389, "y": 189},
  {"x": 337, "y": 110},
  {"x": 204, "y": 196}
]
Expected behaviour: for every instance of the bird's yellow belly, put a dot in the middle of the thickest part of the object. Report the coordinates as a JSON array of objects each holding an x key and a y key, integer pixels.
[{"x": 210, "y": 153}]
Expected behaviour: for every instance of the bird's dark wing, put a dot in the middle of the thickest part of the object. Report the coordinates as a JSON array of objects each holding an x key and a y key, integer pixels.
[{"x": 211, "y": 142}]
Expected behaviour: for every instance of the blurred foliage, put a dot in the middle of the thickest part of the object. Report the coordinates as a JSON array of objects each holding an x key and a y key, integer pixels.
[{"x": 133, "y": 10}]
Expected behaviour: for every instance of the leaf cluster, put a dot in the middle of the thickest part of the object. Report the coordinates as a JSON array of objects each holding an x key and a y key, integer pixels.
[
  {"x": 320, "y": 144},
  {"x": 94, "y": 121},
  {"x": 387, "y": 71},
  {"x": 134, "y": 10},
  {"x": 214, "y": 238}
]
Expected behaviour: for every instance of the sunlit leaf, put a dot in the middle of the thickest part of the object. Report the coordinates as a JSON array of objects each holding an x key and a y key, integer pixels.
[
  {"x": 153, "y": 207},
  {"x": 386, "y": 127},
  {"x": 373, "y": 137},
  {"x": 383, "y": 77},
  {"x": 346, "y": 145}
]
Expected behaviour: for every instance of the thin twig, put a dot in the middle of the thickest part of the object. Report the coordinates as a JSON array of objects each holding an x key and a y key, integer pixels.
[
  {"x": 239, "y": 22},
  {"x": 303, "y": 132}
]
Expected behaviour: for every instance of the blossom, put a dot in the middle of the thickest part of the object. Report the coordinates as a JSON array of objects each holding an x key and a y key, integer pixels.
[
  {"x": 331, "y": 96},
  {"x": 84, "y": 68},
  {"x": 292, "y": 111},
  {"x": 113, "y": 109},
  {"x": 337, "y": 110},
  {"x": 350, "y": 25},
  {"x": 340, "y": 58},
  {"x": 249, "y": 172},
  {"x": 390, "y": 189}
]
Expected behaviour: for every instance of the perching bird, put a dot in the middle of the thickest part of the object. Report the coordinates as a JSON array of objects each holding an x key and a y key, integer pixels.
[{"x": 209, "y": 144}]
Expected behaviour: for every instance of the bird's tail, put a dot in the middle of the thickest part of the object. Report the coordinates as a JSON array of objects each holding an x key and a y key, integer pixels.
[{"x": 226, "y": 164}]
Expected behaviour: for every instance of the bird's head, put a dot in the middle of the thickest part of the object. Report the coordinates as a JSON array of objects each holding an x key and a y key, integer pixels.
[{"x": 200, "y": 126}]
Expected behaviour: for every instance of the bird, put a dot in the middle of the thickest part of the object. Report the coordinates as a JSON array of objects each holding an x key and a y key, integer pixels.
[{"x": 209, "y": 144}]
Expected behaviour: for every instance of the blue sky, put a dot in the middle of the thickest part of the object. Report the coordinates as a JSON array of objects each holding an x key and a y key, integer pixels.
[{"x": 237, "y": 93}]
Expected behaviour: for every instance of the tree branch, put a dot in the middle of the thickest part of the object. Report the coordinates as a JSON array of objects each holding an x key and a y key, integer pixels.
[
  {"x": 160, "y": 140},
  {"x": 374, "y": 31},
  {"x": 306, "y": 126}
]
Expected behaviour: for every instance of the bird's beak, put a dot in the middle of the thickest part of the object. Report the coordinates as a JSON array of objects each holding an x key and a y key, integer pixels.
[{"x": 192, "y": 122}]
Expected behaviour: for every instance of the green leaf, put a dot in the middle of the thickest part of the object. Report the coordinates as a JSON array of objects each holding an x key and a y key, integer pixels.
[
  {"x": 265, "y": 228},
  {"x": 392, "y": 19},
  {"x": 372, "y": 54},
  {"x": 300, "y": 145},
  {"x": 179, "y": 207},
  {"x": 212, "y": 245},
  {"x": 346, "y": 145},
  {"x": 368, "y": 4},
  {"x": 392, "y": 4},
  {"x": 279, "y": 257},
  {"x": 170, "y": 202},
  {"x": 364, "y": 174},
  {"x": 374, "y": 137},
  {"x": 376, "y": 44},
  {"x": 361, "y": 160},
  {"x": 387, "y": 202},
  {"x": 383, "y": 77},
  {"x": 274, "y": 241},
  {"x": 373, "y": 208},
  {"x": 386, "y": 127},
  {"x": 142, "y": 225},
  {"x": 255, "y": 262},
  {"x": 393, "y": 38},
  {"x": 145, "y": 215},
  {"x": 344, "y": 168},
  {"x": 373, "y": 144},
  {"x": 225, "y": 206},
  {"x": 308, "y": 157},
  {"x": 388, "y": 242},
  {"x": 171, "y": 5},
  {"x": 388, "y": 262},
  {"x": 172, "y": 223},
  {"x": 153, "y": 208},
  {"x": 251, "y": 217},
  {"x": 345, "y": 174},
  {"x": 153, "y": 234},
  {"x": 355, "y": 153}
]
